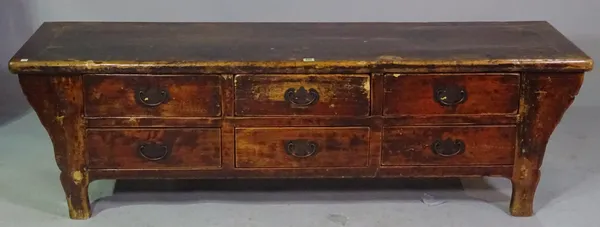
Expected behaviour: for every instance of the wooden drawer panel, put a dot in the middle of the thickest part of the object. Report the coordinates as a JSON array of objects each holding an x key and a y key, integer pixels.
[
  {"x": 302, "y": 95},
  {"x": 152, "y": 95},
  {"x": 145, "y": 148},
  {"x": 301, "y": 147},
  {"x": 477, "y": 145},
  {"x": 412, "y": 94}
]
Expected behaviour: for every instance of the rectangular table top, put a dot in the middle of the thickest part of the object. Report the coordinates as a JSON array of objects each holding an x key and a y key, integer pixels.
[{"x": 127, "y": 47}]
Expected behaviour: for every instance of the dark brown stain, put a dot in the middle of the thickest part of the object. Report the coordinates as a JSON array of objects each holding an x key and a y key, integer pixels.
[
  {"x": 225, "y": 116},
  {"x": 119, "y": 148},
  {"x": 115, "y": 95},
  {"x": 333, "y": 150},
  {"x": 483, "y": 145},
  {"x": 282, "y": 47},
  {"x": 413, "y": 94},
  {"x": 58, "y": 103},
  {"x": 546, "y": 96},
  {"x": 339, "y": 95}
]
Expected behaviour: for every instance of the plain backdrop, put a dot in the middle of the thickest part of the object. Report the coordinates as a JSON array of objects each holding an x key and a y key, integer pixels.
[
  {"x": 32, "y": 195},
  {"x": 577, "y": 19}
]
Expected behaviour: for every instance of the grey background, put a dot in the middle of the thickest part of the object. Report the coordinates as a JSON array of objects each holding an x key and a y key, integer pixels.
[
  {"x": 577, "y": 19},
  {"x": 31, "y": 195}
]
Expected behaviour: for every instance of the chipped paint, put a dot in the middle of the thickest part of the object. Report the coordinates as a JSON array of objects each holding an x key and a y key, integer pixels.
[
  {"x": 60, "y": 119},
  {"x": 133, "y": 121},
  {"x": 367, "y": 87},
  {"x": 524, "y": 172},
  {"x": 77, "y": 212},
  {"x": 77, "y": 176}
]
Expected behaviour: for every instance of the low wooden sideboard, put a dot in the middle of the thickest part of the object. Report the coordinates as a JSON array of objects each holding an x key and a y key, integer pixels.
[{"x": 299, "y": 100}]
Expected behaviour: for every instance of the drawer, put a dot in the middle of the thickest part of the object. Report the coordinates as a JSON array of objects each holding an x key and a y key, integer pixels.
[
  {"x": 301, "y": 147},
  {"x": 154, "y": 148},
  {"x": 423, "y": 94},
  {"x": 152, "y": 95},
  {"x": 477, "y": 145},
  {"x": 302, "y": 95}
]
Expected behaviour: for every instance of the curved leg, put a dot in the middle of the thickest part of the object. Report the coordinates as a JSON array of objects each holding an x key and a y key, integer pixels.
[
  {"x": 58, "y": 103},
  {"x": 76, "y": 191},
  {"x": 545, "y": 98},
  {"x": 523, "y": 192}
]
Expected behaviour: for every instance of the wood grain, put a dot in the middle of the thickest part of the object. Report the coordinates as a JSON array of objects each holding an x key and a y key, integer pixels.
[
  {"x": 393, "y": 172},
  {"x": 413, "y": 94},
  {"x": 547, "y": 97},
  {"x": 115, "y": 95},
  {"x": 58, "y": 103},
  {"x": 337, "y": 147},
  {"x": 141, "y": 47},
  {"x": 225, "y": 115},
  {"x": 119, "y": 149},
  {"x": 339, "y": 95},
  {"x": 494, "y": 145}
]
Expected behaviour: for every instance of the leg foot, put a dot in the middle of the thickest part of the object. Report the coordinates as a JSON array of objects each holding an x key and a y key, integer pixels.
[
  {"x": 521, "y": 203},
  {"x": 75, "y": 185}
]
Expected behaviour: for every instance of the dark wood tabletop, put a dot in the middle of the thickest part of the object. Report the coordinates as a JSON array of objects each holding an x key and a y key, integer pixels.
[{"x": 134, "y": 46}]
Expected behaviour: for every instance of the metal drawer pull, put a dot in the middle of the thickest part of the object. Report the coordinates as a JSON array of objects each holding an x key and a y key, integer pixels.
[
  {"x": 448, "y": 147},
  {"x": 301, "y": 148},
  {"x": 153, "y": 151},
  {"x": 151, "y": 97},
  {"x": 301, "y": 97},
  {"x": 450, "y": 95}
]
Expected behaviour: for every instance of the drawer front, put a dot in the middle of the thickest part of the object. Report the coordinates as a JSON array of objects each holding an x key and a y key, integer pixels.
[
  {"x": 477, "y": 145},
  {"x": 301, "y": 147},
  {"x": 302, "y": 95},
  {"x": 152, "y": 95},
  {"x": 154, "y": 148},
  {"x": 412, "y": 94}
]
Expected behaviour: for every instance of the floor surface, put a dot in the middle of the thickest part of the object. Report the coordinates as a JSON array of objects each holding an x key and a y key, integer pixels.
[{"x": 568, "y": 193}]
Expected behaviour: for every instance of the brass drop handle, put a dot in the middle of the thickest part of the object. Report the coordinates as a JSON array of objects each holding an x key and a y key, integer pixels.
[
  {"x": 153, "y": 151},
  {"x": 151, "y": 97},
  {"x": 301, "y": 148},
  {"x": 301, "y": 97},
  {"x": 448, "y": 147},
  {"x": 450, "y": 95}
]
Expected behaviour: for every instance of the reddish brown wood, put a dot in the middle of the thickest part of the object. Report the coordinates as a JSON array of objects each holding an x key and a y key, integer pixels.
[
  {"x": 482, "y": 145},
  {"x": 546, "y": 96},
  {"x": 339, "y": 95},
  {"x": 227, "y": 127},
  {"x": 397, "y": 171},
  {"x": 153, "y": 122},
  {"x": 58, "y": 102},
  {"x": 413, "y": 94},
  {"x": 336, "y": 147},
  {"x": 188, "y": 96},
  {"x": 109, "y": 47},
  {"x": 453, "y": 119},
  {"x": 119, "y": 148},
  {"x": 117, "y": 122},
  {"x": 378, "y": 119}
]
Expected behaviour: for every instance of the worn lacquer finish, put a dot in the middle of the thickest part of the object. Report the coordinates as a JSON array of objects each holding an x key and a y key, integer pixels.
[
  {"x": 483, "y": 94},
  {"x": 299, "y": 100},
  {"x": 334, "y": 147},
  {"x": 546, "y": 97},
  {"x": 183, "y": 96},
  {"x": 185, "y": 148},
  {"x": 297, "y": 48},
  {"x": 483, "y": 145},
  {"x": 339, "y": 95},
  {"x": 58, "y": 102}
]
